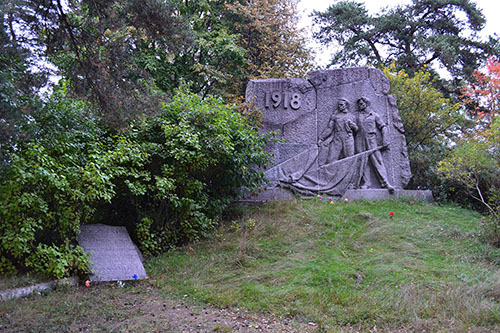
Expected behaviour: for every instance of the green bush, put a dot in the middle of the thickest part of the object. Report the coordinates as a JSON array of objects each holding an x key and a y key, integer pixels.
[
  {"x": 48, "y": 188},
  {"x": 200, "y": 151},
  {"x": 167, "y": 179}
]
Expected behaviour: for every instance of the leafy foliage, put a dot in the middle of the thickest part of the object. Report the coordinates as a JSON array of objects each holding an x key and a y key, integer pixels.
[
  {"x": 198, "y": 153},
  {"x": 274, "y": 44},
  {"x": 431, "y": 123},
  {"x": 18, "y": 86},
  {"x": 168, "y": 179},
  {"x": 484, "y": 94},
  {"x": 96, "y": 45},
  {"x": 234, "y": 41},
  {"x": 428, "y": 117},
  {"x": 474, "y": 162},
  {"x": 47, "y": 190},
  {"x": 423, "y": 33}
]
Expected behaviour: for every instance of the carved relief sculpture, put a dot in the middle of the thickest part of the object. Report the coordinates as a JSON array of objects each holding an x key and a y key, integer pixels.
[
  {"x": 338, "y": 136},
  {"x": 339, "y": 128},
  {"x": 369, "y": 123}
]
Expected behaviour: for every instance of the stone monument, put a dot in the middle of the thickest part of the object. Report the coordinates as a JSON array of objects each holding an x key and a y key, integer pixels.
[
  {"x": 339, "y": 130},
  {"x": 113, "y": 254}
]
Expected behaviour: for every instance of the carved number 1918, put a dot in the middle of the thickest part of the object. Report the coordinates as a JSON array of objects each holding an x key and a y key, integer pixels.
[{"x": 275, "y": 98}]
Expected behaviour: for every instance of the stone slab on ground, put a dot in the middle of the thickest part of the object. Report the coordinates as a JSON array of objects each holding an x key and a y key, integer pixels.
[
  {"x": 39, "y": 287},
  {"x": 113, "y": 254},
  {"x": 374, "y": 194}
]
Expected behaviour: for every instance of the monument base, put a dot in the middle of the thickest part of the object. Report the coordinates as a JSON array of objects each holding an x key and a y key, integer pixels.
[
  {"x": 375, "y": 194},
  {"x": 268, "y": 194},
  {"x": 281, "y": 193}
]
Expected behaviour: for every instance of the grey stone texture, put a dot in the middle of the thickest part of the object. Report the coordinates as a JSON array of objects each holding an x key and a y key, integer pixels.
[
  {"x": 340, "y": 130},
  {"x": 375, "y": 194},
  {"x": 37, "y": 288},
  {"x": 113, "y": 254}
]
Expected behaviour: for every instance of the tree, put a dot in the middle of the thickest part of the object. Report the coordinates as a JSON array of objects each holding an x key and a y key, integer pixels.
[
  {"x": 428, "y": 117},
  {"x": 96, "y": 45},
  {"x": 275, "y": 46},
  {"x": 236, "y": 41},
  {"x": 211, "y": 63},
  {"x": 475, "y": 161},
  {"x": 425, "y": 33},
  {"x": 483, "y": 95},
  {"x": 18, "y": 87},
  {"x": 431, "y": 123}
]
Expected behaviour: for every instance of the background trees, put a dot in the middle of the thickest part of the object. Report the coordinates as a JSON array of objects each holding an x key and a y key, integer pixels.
[
  {"x": 475, "y": 161},
  {"x": 431, "y": 124},
  {"x": 96, "y": 45},
  {"x": 135, "y": 131},
  {"x": 274, "y": 44},
  {"x": 424, "y": 35}
]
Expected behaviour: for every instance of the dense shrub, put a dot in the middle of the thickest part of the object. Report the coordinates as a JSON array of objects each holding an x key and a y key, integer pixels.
[
  {"x": 200, "y": 152},
  {"x": 167, "y": 179},
  {"x": 48, "y": 188}
]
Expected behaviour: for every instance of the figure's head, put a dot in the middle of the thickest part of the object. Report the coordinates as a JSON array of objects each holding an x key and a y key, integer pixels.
[
  {"x": 363, "y": 103},
  {"x": 343, "y": 105}
]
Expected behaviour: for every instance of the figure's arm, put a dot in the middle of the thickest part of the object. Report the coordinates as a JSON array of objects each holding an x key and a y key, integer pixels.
[
  {"x": 383, "y": 130},
  {"x": 353, "y": 127},
  {"x": 327, "y": 131}
]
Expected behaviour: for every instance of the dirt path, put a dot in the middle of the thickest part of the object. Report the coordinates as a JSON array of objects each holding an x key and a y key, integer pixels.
[
  {"x": 143, "y": 308},
  {"x": 185, "y": 317}
]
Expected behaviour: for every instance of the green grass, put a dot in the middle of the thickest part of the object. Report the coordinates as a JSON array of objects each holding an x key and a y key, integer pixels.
[
  {"x": 343, "y": 266},
  {"x": 21, "y": 280},
  {"x": 346, "y": 264}
]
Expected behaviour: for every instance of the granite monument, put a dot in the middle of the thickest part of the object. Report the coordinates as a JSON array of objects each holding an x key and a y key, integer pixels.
[{"x": 339, "y": 131}]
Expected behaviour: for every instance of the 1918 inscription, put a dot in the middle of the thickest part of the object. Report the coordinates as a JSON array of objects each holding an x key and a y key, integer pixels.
[{"x": 287, "y": 99}]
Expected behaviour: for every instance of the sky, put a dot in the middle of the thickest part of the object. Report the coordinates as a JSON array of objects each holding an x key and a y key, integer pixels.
[{"x": 490, "y": 8}]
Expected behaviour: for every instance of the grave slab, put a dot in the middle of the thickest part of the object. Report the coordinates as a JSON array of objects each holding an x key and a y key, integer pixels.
[{"x": 113, "y": 254}]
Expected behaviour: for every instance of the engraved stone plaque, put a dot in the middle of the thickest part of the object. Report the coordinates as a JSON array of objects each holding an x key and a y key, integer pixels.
[{"x": 113, "y": 254}]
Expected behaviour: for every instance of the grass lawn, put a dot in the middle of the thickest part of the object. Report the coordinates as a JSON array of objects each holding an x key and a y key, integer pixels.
[{"x": 328, "y": 267}]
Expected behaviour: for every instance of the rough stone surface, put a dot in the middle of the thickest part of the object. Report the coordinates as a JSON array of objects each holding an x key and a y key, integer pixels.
[
  {"x": 383, "y": 194},
  {"x": 340, "y": 131},
  {"x": 113, "y": 254},
  {"x": 37, "y": 288}
]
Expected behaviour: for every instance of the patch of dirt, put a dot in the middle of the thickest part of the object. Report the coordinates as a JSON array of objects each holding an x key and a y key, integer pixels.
[
  {"x": 195, "y": 318},
  {"x": 107, "y": 308}
]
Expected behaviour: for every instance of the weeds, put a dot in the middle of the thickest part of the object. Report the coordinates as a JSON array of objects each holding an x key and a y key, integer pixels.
[
  {"x": 348, "y": 263},
  {"x": 342, "y": 267}
]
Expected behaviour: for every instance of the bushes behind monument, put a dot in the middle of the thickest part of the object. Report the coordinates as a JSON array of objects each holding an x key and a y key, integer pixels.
[{"x": 167, "y": 178}]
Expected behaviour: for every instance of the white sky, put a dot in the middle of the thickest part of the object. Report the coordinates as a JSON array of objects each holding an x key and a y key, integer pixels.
[{"x": 490, "y": 8}]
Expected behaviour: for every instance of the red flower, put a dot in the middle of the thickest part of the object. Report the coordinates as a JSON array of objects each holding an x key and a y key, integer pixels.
[{"x": 391, "y": 213}]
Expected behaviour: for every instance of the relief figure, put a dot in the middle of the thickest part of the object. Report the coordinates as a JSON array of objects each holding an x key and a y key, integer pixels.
[
  {"x": 369, "y": 124},
  {"x": 337, "y": 139}
]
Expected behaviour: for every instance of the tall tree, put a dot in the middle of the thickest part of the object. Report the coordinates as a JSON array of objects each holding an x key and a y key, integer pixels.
[
  {"x": 235, "y": 41},
  {"x": 212, "y": 62},
  {"x": 483, "y": 95},
  {"x": 96, "y": 44},
  {"x": 275, "y": 45},
  {"x": 19, "y": 85},
  {"x": 432, "y": 33},
  {"x": 431, "y": 123}
]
